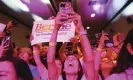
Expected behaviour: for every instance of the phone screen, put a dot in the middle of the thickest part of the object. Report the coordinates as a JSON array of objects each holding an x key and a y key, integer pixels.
[
  {"x": 109, "y": 43},
  {"x": 7, "y": 40},
  {"x": 65, "y": 7}
]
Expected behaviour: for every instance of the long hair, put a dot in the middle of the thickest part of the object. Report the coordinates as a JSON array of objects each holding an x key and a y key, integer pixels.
[
  {"x": 80, "y": 72},
  {"x": 21, "y": 67},
  {"x": 125, "y": 59}
]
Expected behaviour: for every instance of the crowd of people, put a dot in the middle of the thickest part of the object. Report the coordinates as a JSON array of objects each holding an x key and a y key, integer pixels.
[{"x": 50, "y": 61}]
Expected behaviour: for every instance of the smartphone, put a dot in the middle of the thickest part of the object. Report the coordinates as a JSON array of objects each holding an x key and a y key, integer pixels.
[
  {"x": 66, "y": 8},
  {"x": 69, "y": 46},
  {"x": 7, "y": 40},
  {"x": 108, "y": 43}
]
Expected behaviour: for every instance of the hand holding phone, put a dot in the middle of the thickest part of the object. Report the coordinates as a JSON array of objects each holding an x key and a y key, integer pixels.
[
  {"x": 7, "y": 40},
  {"x": 65, "y": 7},
  {"x": 109, "y": 42}
]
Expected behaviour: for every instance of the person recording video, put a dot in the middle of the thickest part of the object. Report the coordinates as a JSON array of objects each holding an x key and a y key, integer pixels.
[
  {"x": 6, "y": 38},
  {"x": 9, "y": 27}
]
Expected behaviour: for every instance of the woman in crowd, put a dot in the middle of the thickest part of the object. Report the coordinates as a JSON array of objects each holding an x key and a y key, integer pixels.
[
  {"x": 106, "y": 64},
  {"x": 26, "y": 55},
  {"x": 102, "y": 65},
  {"x": 118, "y": 41},
  {"x": 12, "y": 68},
  {"x": 72, "y": 69},
  {"x": 41, "y": 68},
  {"x": 124, "y": 66}
]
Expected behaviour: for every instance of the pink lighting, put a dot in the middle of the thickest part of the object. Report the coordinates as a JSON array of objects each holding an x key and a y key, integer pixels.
[
  {"x": 27, "y": 1},
  {"x": 93, "y": 15},
  {"x": 98, "y": 8}
]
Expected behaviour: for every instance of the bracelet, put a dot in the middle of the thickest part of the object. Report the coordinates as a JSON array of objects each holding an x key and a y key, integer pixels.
[
  {"x": 52, "y": 44},
  {"x": 36, "y": 51},
  {"x": 83, "y": 33},
  {"x": 99, "y": 49}
]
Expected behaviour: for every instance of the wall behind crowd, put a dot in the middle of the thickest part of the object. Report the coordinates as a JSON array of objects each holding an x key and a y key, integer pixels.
[
  {"x": 121, "y": 25},
  {"x": 18, "y": 33}
]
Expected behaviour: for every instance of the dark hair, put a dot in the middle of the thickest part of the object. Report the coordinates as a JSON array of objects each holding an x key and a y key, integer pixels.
[
  {"x": 125, "y": 59},
  {"x": 21, "y": 67},
  {"x": 80, "y": 72}
]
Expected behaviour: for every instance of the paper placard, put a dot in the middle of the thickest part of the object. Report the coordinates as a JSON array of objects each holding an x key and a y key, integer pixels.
[
  {"x": 42, "y": 31},
  {"x": 2, "y": 27}
]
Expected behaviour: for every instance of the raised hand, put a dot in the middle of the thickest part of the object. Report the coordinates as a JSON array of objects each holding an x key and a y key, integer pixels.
[
  {"x": 36, "y": 47},
  {"x": 59, "y": 19},
  {"x": 77, "y": 20},
  {"x": 31, "y": 37},
  {"x": 3, "y": 48},
  {"x": 102, "y": 39}
]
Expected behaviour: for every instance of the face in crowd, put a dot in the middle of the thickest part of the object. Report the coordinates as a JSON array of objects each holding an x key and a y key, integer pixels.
[
  {"x": 26, "y": 54},
  {"x": 13, "y": 68},
  {"x": 44, "y": 50},
  {"x": 58, "y": 66},
  {"x": 7, "y": 71},
  {"x": 106, "y": 63},
  {"x": 71, "y": 65}
]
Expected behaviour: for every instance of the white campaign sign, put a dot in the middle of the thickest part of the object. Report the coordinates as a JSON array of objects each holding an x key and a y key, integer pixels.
[
  {"x": 42, "y": 31},
  {"x": 2, "y": 27}
]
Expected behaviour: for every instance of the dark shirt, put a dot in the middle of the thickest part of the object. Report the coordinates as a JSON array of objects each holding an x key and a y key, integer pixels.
[{"x": 44, "y": 61}]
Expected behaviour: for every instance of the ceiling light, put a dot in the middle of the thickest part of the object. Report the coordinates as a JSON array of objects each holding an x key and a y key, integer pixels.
[
  {"x": 93, "y": 2},
  {"x": 27, "y": 1},
  {"x": 16, "y": 5},
  {"x": 96, "y": 7},
  {"x": 46, "y": 1},
  {"x": 36, "y": 17},
  {"x": 117, "y": 6},
  {"x": 128, "y": 11},
  {"x": 93, "y": 15},
  {"x": 23, "y": 7},
  {"x": 87, "y": 27}
]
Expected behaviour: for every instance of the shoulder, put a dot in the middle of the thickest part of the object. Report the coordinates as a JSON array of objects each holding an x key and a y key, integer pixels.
[
  {"x": 113, "y": 77},
  {"x": 83, "y": 77},
  {"x": 32, "y": 67}
]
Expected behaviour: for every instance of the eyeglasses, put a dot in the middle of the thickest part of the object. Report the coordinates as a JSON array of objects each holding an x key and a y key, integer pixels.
[{"x": 106, "y": 60}]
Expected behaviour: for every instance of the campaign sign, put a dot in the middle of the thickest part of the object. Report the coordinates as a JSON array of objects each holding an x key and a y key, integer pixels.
[
  {"x": 2, "y": 27},
  {"x": 42, "y": 31}
]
